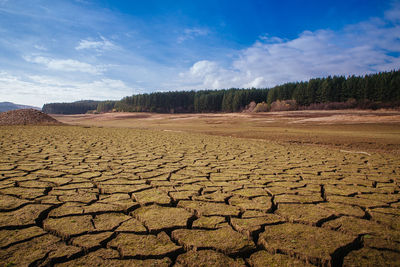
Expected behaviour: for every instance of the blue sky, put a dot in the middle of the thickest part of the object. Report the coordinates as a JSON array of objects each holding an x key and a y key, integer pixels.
[{"x": 61, "y": 51}]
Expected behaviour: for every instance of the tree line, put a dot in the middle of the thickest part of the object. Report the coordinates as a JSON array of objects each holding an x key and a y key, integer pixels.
[
  {"x": 380, "y": 87},
  {"x": 78, "y": 107},
  {"x": 226, "y": 100},
  {"x": 373, "y": 90}
]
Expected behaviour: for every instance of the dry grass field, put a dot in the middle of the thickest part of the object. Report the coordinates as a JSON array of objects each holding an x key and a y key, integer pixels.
[{"x": 297, "y": 191}]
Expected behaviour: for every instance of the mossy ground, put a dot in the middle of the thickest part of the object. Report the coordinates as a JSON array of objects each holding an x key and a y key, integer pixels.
[{"x": 125, "y": 197}]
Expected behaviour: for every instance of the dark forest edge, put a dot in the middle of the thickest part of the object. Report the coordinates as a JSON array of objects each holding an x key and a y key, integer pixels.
[{"x": 373, "y": 91}]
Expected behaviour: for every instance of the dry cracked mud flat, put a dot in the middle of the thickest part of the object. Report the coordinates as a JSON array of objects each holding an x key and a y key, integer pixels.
[{"x": 74, "y": 196}]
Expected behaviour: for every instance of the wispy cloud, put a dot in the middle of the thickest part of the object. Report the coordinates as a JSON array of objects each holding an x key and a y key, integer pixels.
[
  {"x": 192, "y": 33},
  {"x": 357, "y": 49},
  {"x": 100, "y": 45},
  {"x": 68, "y": 65},
  {"x": 393, "y": 14},
  {"x": 40, "y": 47}
]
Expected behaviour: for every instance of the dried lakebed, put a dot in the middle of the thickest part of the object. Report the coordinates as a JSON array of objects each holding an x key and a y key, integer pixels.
[{"x": 73, "y": 196}]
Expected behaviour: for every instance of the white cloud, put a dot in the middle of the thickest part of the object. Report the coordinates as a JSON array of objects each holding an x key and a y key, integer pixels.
[
  {"x": 40, "y": 47},
  {"x": 256, "y": 83},
  {"x": 37, "y": 89},
  {"x": 357, "y": 49},
  {"x": 68, "y": 65},
  {"x": 206, "y": 74},
  {"x": 202, "y": 68},
  {"x": 98, "y": 46},
  {"x": 191, "y": 33},
  {"x": 267, "y": 39}
]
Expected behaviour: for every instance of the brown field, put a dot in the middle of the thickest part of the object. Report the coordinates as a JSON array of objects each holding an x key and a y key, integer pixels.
[
  {"x": 301, "y": 189},
  {"x": 358, "y": 130}
]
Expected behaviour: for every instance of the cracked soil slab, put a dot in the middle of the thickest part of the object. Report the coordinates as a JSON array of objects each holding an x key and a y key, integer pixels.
[
  {"x": 132, "y": 245},
  {"x": 215, "y": 239},
  {"x": 306, "y": 242}
]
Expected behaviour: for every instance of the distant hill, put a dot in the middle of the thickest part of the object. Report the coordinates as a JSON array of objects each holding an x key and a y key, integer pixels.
[{"x": 6, "y": 106}]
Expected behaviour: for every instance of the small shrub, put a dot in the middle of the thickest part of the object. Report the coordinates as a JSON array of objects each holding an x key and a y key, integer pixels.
[
  {"x": 284, "y": 105},
  {"x": 250, "y": 107},
  {"x": 261, "y": 107}
]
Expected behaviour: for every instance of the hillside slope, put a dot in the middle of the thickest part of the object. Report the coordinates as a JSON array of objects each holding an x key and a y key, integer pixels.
[{"x": 6, "y": 106}]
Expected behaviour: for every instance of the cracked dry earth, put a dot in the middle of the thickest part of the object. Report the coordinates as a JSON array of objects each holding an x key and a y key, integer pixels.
[{"x": 73, "y": 196}]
